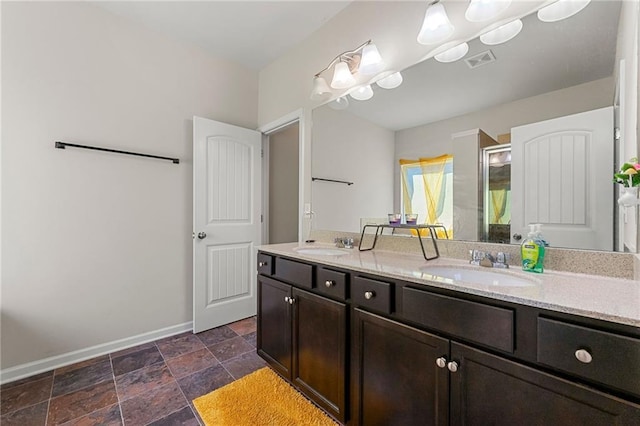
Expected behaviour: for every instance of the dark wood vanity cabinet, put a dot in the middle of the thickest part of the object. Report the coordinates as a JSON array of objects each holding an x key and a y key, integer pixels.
[
  {"x": 395, "y": 380},
  {"x": 422, "y": 356},
  {"x": 302, "y": 336}
]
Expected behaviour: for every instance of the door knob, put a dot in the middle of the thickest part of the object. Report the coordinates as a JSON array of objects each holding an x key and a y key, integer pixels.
[
  {"x": 202, "y": 235},
  {"x": 517, "y": 237},
  {"x": 441, "y": 362},
  {"x": 452, "y": 366}
]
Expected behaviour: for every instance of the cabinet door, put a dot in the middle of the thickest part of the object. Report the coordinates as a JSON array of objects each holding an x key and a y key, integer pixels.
[
  {"x": 319, "y": 342},
  {"x": 395, "y": 379},
  {"x": 489, "y": 390},
  {"x": 274, "y": 324}
]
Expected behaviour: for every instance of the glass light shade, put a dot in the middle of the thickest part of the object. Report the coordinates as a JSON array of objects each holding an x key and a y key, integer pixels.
[
  {"x": 453, "y": 54},
  {"x": 561, "y": 9},
  {"x": 483, "y": 10},
  {"x": 391, "y": 81},
  {"x": 436, "y": 26},
  {"x": 362, "y": 93},
  {"x": 320, "y": 89},
  {"x": 339, "y": 104},
  {"x": 503, "y": 33},
  {"x": 342, "y": 77},
  {"x": 371, "y": 62}
]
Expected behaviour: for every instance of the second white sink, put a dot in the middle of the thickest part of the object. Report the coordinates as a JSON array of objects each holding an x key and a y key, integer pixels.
[
  {"x": 321, "y": 251},
  {"x": 479, "y": 276}
]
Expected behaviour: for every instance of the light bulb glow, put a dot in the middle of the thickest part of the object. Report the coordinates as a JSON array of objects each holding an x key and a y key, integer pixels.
[
  {"x": 502, "y": 34},
  {"x": 453, "y": 54},
  {"x": 561, "y": 9},
  {"x": 362, "y": 93},
  {"x": 321, "y": 89},
  {"x": 339, "y": 104},
  {"x": 436, "y": 26},
  {"x": 391, "y": 81},
  {"x": 342, "y": 77},
  {"x": 370, "y": 62},
  {"x": 484, "y": 10}
]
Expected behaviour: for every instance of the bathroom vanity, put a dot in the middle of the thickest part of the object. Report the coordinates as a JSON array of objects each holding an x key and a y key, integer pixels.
[{"x": 373, "y": 338}]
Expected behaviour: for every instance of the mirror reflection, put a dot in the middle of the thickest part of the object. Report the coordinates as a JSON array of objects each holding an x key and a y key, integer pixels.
[{"x": 389, "y": 146}]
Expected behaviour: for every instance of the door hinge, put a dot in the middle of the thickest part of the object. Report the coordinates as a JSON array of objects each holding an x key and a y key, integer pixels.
[
  {"x": 262, "y": 153},
  {"x": 261, "y": 219}
]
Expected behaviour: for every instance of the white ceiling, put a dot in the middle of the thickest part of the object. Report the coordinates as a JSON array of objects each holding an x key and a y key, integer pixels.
[
  {"x": 544, "y": 57},
  {"x": 253, "y": 33}
]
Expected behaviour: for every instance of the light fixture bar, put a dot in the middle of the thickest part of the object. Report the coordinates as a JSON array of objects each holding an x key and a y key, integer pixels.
[{"x": 339, "y": 57}]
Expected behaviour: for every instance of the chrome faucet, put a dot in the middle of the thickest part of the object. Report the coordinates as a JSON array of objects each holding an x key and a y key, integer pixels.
[
  {"x": 344, "y": 242},
  {"x": 488, "y": 260}
]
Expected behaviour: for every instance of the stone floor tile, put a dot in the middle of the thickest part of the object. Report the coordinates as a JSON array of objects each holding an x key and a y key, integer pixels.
[
  {"x": 153, "y": 405},
  {"x": 143, "y": 380},
  {"x": 108, "y": 416},
  {"x": 184, "y": 417},
  {"x": 244, "y": 364},
  {"x": 72, "y": 379},
  {"x": 190, "y": 363},
  {"x": 81, "y": 402},
  {"x": 180, "y": 346},
  {"x": 205, "y": 381},
  {"x": 245, "y": 326},
  {"x": 25, "y": 395},
  {"x": 34, "y": 415},
  {"x": 231, "y": 348},
  {"x": 132, "y": 361},
  {"x": 216, "y": 335}
]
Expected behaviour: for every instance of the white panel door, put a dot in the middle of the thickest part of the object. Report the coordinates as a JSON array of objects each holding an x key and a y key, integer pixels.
[
  {"x": 226, "y": 218},
  {"x": 562, "y": 177}
]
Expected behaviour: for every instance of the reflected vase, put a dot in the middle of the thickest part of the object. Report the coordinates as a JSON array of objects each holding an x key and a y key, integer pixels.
[{"x": 628, "y": 197}]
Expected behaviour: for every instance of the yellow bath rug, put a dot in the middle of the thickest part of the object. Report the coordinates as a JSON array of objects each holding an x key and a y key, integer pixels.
[{"x": 260, "y": 398}]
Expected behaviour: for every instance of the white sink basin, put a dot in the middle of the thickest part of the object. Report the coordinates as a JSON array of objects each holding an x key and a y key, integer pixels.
[
  {"x": 321, "y": 251},
  {"x": 478, "y": 276}
]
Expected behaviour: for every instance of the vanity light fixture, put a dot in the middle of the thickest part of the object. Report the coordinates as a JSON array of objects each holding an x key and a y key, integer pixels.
[
  {"x": 391, "y": 81},
  {"x": 436, "y": 26},
  {"x": 484, "y": 10},
  {"x": 342, "y": 77},
  {"x": 321, "y": 90},
  {"x": 339, "y": 104},
  {"x": 453, "y": 54},
  {"x": 362, "y": 93},
  {"x": 363, "y": 60},
  {"x": 561, "y": 9},
  {"x": 502, "y": 34}
]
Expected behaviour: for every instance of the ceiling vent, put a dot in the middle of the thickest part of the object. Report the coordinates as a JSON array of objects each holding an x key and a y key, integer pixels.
[{"x": 480, "y": 59}]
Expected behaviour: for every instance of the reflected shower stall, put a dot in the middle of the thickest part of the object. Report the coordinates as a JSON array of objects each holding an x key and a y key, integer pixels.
[{"x": 497, "y": 193}]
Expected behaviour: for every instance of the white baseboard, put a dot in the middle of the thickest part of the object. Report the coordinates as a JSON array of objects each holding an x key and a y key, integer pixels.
[{"x": 35, "y": 367}]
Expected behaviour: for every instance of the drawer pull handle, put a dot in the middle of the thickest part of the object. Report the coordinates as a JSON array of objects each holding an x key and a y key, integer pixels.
[
  {"x": 583, "y": 356},
  {"x": 262, "y": 263},
  {"x": 369, "y": 295},
  {"x": 452, "y": 366},
  {"x": 329, "y": 283},
  {"x": 441, "y": 362}
]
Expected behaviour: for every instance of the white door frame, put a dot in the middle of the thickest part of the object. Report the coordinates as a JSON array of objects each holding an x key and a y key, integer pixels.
[{"x": 266, "y": 130}]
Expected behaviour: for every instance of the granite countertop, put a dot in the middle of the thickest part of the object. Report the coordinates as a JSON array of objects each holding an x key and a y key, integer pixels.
[{"x": 610, "y": 299}]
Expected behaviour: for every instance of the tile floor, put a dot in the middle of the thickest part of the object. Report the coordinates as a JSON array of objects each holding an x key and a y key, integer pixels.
[{"x": 150, "y": 384}]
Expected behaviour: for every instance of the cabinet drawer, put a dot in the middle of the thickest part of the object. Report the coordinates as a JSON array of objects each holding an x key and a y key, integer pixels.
[
  {"x": 477, "y": 322},
  {"x": 332, "y": 283},
  {"x": 372, "y": 294},
  {"x": 614, "y": 359},
  {"x": 294, "y": 272},
  {"x": 265, "y": 264}
]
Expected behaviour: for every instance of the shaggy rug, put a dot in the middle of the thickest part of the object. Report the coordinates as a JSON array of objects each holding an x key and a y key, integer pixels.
[{"x": 261, "y": 398}]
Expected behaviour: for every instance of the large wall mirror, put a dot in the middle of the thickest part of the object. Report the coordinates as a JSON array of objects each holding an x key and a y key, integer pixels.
[{"x": 549, "y": 71}]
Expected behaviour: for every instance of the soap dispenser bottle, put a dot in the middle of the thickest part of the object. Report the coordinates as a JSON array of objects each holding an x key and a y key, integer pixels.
[{"x": 532, "y": 250}]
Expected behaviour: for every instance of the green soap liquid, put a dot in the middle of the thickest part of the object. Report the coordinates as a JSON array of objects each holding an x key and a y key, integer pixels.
[{"x": 532, "y": 256}]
